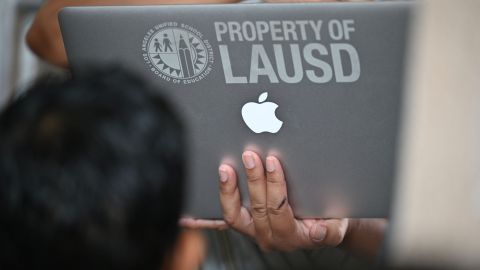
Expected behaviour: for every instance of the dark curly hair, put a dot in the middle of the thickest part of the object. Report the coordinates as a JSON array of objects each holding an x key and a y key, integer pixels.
[{"x": 91, "y": 175}]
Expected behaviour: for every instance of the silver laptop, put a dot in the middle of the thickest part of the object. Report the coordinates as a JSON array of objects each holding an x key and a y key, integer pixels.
[{"x": 319, "y": 85}]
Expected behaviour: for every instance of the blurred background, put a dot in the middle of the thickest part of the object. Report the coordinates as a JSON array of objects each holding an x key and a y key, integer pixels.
[{"x": 18, "y": 65}]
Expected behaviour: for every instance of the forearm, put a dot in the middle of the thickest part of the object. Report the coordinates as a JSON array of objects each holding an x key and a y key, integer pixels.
[
  {"x": 45, "y": 38},
  {"x": 365, "y": 236}
]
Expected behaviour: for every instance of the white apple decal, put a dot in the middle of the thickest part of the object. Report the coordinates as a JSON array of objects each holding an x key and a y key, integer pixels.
[{"x": 260, "y": 117}]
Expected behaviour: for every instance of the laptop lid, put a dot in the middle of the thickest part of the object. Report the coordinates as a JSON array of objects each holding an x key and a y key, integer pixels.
[{"x": 319, "y": 85}]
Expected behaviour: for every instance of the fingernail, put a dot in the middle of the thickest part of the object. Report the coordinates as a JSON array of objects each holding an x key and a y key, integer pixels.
[
  {"x": 270, "y": 164},
  {"x": 319, "y": 232},
  {"x": 222, "y": 172},
  {"x": 248, "y": 161}
]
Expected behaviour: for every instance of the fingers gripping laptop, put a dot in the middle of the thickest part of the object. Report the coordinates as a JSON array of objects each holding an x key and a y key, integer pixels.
[{"x": 318, "y": 85}]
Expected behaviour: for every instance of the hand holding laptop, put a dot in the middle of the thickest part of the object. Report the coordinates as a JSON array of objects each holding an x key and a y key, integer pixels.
[{"x": 271, "y": 221}]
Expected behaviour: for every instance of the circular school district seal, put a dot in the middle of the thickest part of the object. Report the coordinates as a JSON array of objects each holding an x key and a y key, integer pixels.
[{"x": 177, "y": 52}]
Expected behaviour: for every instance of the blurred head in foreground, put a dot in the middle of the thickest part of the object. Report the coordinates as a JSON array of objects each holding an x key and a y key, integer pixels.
[{"x": 91, "y": 175}]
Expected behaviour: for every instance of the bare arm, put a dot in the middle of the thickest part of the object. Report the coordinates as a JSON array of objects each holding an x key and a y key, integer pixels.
[{"x": 45, "y": 39}]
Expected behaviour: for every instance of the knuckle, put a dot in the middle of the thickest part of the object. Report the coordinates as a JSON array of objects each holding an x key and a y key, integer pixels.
[
  {"x": 223, "y": 190},
  {"x": 272, "y": 178},
  {"x": 277, "y": 185},
  {"x": 254, "y": 177},
  {"x": 274, "y": 211},
  {"x": 259, "y": 211},
  {"x": 227, "y": 190}
]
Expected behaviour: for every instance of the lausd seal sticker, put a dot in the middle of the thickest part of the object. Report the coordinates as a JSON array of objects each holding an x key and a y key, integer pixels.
[{"x": 177, "y": 53}]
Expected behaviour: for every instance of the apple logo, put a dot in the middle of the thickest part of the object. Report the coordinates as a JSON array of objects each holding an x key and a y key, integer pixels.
[{"x": 260, "y": 117}]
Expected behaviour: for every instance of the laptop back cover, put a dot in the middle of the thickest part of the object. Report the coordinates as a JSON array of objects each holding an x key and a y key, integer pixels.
[{"x": 319, "y": 85}]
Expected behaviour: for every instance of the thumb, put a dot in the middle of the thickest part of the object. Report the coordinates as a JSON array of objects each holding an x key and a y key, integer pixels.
[
  {"x": 318, "y": 232},
  {"x": 330, "y": 232}
]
